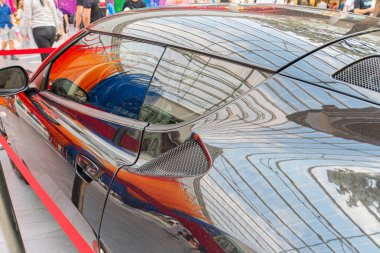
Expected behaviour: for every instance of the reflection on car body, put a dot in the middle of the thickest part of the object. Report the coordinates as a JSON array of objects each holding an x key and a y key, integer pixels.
[{"x": 210, "y": 129}]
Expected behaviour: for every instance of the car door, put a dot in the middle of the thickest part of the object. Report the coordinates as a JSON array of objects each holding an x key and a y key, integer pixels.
[
  {"x": 86, "y": 115},
  {"x": 97, "y": 88}
]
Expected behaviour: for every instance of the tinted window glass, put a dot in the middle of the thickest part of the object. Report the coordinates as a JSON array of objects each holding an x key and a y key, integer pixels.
[
  {"x": 107, "y": 73},
  {"x": 187, "y": 85}
]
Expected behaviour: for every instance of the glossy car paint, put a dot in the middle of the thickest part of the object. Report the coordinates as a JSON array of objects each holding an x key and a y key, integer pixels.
[{"x": 294, "y": 161}]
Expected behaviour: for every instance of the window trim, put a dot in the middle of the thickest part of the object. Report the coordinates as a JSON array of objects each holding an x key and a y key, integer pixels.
[
  {"x": 217, "y": 56},
  {"x": 128, "y": 121},
  {"x": 106, "y": 116}
]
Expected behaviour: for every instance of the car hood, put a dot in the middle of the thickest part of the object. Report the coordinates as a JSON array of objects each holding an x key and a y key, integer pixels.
[
  {"x": 267, "y": 36},
  {"x": 295, "y": 168}
]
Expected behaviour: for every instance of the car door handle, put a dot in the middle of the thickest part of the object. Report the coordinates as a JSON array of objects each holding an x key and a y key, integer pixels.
[
  {"x": 86, "y": 168},
  {"x": 86, "y": 171}
]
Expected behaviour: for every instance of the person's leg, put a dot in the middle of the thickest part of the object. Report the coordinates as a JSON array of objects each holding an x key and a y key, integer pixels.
[
  {"x": 41, "y": 37},
  {"x": 78, "y": 15},
  {"x": 3, "y": 47},
  {"x": 53, "y": 33},
  {"x": 12, "y": 37},
  {"x": 4, "y": 44},
  {"x": 4, "y": 41}
]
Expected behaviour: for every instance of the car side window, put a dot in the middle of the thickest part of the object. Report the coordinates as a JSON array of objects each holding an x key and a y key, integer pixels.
[
  {"x": 107, "y": 73},
  {"x": 186, "y": 85}
]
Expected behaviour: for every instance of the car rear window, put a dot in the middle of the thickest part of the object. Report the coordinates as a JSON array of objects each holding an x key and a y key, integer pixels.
[{"x": 187, "y": 85}]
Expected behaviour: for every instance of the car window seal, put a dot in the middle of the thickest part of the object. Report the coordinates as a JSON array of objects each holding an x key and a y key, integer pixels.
[
  {"x": 92, "y": 112},
  {"x": 217, "y": 56},
  {"x": 326, "y": 45}
]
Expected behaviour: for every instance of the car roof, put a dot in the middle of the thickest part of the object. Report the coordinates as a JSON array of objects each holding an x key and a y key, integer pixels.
[{"x": 266, "y": 36}]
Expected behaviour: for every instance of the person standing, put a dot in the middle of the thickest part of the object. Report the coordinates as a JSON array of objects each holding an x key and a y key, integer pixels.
[
  {"x": 334, "y": 6},
  {"x": 93, "y": 10},
  {"x": 110, "y": 8},
  {"x": 322, "y": 4},
  {"x": 7, "y": 31},
  {"x": 349, "y": 6},
  {"x": 363, "y": 7},
  {"x": 42, "y": 16},
  {"x": 341, "y": 5},
  {"x": 79, "y": 15},
  {"x": 133, "y": 4}
]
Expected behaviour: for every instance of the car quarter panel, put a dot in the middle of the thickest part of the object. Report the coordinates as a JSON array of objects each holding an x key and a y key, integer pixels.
[
  {"x": 295, "y": 168},
  {"x": 319, "y": 67}
]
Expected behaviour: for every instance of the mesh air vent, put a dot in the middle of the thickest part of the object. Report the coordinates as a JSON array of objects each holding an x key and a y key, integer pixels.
[
  {"x": 364, "y": 73},
  {"x": 188, "y": 159}
]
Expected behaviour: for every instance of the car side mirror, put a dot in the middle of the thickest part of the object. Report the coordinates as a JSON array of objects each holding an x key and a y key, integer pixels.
[
  {"x": 66, "y": 88},
  {"x": 13, "y": 80}
]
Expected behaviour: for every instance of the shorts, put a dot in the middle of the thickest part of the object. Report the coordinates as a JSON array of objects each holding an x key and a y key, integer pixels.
[
  {"x": 7, "y": 34},
  {"x": 80, "y": 2}
]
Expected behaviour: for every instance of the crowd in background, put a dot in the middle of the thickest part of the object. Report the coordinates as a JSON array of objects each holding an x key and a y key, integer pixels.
[
  {"x": 40, "y": 23},
  {"x": 363, "y": 7}
]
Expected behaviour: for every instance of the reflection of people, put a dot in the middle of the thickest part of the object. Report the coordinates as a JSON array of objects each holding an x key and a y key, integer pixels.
[
  {"x": 93, "y": 10},
  {"x": 363, "y": 7},
  {"x": 133, "y": 4},
  {"x": 7, "y": 30}
]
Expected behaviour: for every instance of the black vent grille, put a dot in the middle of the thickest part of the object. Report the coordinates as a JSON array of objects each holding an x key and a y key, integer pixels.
[
  {"x": 364, "y": 73},
  {"x": 188, "y": 159}
]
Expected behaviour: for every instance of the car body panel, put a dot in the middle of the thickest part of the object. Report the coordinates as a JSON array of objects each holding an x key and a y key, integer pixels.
[
  {"x": 292, "y": 159},
  {"x": 318, "y": 68},
  {"x": 288, "y": 174},
  {"x": 28, "y": 133}
]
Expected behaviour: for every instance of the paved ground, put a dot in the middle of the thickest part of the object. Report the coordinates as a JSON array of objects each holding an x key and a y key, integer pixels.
[
  {"x": 30, "y": 62},
  {"x": 39, "y": 232},
  {"x": 10, "y": 240}
]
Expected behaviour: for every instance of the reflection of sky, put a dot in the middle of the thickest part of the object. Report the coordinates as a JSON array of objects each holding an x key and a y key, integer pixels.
[
  {"x": 254, "y": 43},
  {"x": 263, "y": 189},
  {"x": 270, "y": 38}
]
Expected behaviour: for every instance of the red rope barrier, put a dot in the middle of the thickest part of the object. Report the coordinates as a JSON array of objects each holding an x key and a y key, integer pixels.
[
  {"x": 62, "y": 220},
  {"x": 27, "y": 51}
]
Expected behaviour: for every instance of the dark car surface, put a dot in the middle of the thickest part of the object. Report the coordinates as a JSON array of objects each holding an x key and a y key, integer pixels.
[{"x": 215, "y": 128}]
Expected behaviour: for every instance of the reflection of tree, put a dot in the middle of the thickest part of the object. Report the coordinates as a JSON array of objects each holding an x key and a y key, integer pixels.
[{"x": 359, "y": 186}]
